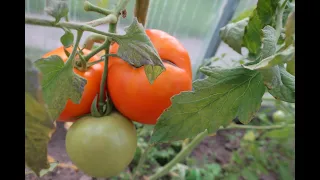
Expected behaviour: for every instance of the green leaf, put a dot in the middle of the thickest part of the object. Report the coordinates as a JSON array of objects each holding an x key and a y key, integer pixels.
[
  {"x": 57, "y": 9},
  {"x": 136, "y": 48},
  {"x": 269, "y": 42},
  {"x": 59, "y": 84},
  {"x": 244, "y": 14},
  {"x": 285, "y": 90},
  {"x": 53, "y": 165},
  {"x": 38, "y": 124},
  {"x": 215, "y": 101},
  {"x": 67, "y": 38},
  {"x": 271, "y": 61},
  {"x": 261, "y": 16},
  {"x": 232, "y": 34}
]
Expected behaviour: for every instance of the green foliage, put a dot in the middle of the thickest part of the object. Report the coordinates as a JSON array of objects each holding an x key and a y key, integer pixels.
[
  {"x": 232, "y": 34},
  {"x": 67, "y": 38},
  {"x": 225, "y": 94},
  {"x": 233, "y": 92},
  {"x": 261, "y": 16},
  {"x": 57, "y": 9},
  {"x": 39, "y": 125},
  {"x": 215, "y": 101},
  {"x": 59, "y": 83}
]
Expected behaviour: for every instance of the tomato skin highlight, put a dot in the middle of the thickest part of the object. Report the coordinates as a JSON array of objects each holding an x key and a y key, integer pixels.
[
  {"x": 93, "y": 76},
  {"x": 102, "y": 146},
  {"x": 130, "y": 90}
]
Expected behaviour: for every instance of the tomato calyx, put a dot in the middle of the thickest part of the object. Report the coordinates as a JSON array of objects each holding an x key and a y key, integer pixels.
[{"x": 106, "y": 107}]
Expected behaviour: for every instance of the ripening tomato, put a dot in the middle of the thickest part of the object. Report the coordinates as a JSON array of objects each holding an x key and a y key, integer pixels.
[
  {"x": 93, "y": 76},
  {"x": 130, "y": 90},
  {"x": 102, "y": 146}
]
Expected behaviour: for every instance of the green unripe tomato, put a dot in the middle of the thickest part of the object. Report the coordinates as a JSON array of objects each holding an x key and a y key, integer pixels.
[
  {"x": 279, "y": 116},
  {"x": 102, "y": 146}
]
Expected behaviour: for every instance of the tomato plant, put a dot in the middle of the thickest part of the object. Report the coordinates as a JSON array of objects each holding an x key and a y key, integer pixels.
[
  {"x": 127, "y": 84},
  {"x": 92, "y": 75},
  {"x": 102, "y": 146},
  {"x": 144, "y": 78}
]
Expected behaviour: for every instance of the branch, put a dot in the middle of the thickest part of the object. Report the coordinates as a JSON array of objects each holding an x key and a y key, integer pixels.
[
  {"x": 281, "y": 8},
  {"x": 111, "y": 18},
  {"x": 70, "y": 25},
  {"x": 74, "y": 51},
  {"x": 180, "y": 156},
  {"x": 236, "y": 126},
  {"x": 94, "y": 38},
  {"x": 121, "y": 6},
  {"x": 141, "y": 11},
  {"x": 141, "y": 161},
  {"x": 90, "y": 7}
]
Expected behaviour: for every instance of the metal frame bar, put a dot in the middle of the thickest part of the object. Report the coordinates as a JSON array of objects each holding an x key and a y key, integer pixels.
[{"x": 215, "y": 41}]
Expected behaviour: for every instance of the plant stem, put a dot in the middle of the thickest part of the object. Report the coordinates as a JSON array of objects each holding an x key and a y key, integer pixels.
[
  {"x": 111, "y": 18},
  {"x": 281, "y": 8},
  {"x": 141, "y": 11},
  {"x": 71, "y": 25},
  {"x": 90, "y": 7},
  {"x": 142, "y": 160},
  {"x": 74, "y": 50},
  {"x": 105, "y": 45},
  {"x": 120, "y": 6},
  {"x": 180, "y": 156},
  {"x": 94, "y": 38},
  {"x": 103, "y": 82},
  {"x": 236, "y": 126}
]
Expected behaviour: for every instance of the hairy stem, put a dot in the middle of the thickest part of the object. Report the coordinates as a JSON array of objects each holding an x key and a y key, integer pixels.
[
  {"x": 90, "y": 7},
  {"x": 120, "y": 6},
  {"x": 281, "y": 8},
  {"x": 111, "y": 18},
  {"x": 141, "y": 161},
  {"x": 71, "y": 25},
  {"x": 105, "y": 45},
  {"x": 180, "y": 156},
  {"x": 94, "y": 38},
  {"x": 141, "y": 11},
  {"x": 236, "y": 126},
  {"x": 74, "y": 50}
]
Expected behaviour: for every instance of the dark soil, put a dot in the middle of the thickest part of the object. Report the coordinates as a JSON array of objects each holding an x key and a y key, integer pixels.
[{"x": 212, "y": 149}]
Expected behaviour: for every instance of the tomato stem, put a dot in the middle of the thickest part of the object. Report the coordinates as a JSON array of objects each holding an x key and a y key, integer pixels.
[
  {"x": 142, "y": 160},
  {"x": 94, "y": 38},
  {"x": 236, "y": 126},
  {"x": 280, "y": 11},
  {"x": 70, "y": 25},
  {"x": 180, "y": 156},
  {"x": 90, "y": 7},
  {"x": 105, "y": 45},
  {"x": 74, "y": 50},
  {"x": 111, "y": 18}
]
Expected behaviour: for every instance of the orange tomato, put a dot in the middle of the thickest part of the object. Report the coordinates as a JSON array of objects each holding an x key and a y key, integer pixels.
[
  {"x": 130, "y": 90},
  {"x": 93, "y": 76}
]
